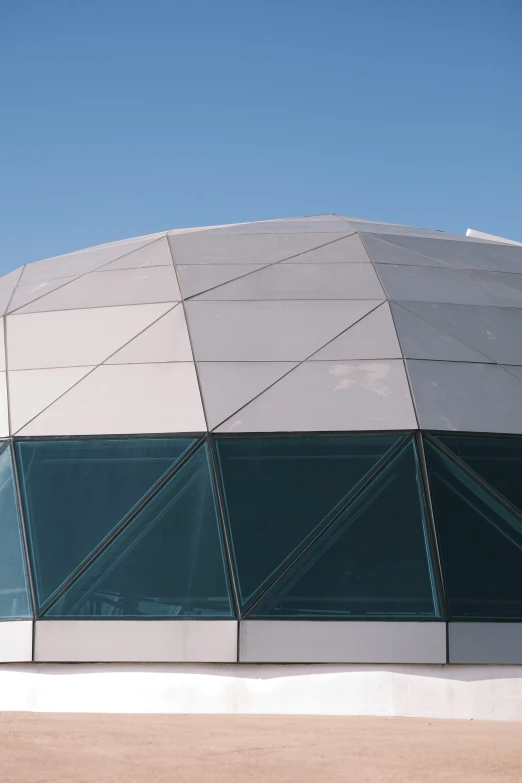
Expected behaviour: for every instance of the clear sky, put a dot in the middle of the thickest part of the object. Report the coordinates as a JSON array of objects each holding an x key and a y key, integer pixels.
[{"x": 126, "y": 117}]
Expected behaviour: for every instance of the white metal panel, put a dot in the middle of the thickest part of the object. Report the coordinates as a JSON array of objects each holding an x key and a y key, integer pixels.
[
  {"x": 212, "y": 641},
  {"x": 117, "y": 399},
  {"x": 302, "y": 641},
  {"x": 16, "y": 641},
  {"x": 499, "y": 643},
  {"x": 471, "y": 232}
]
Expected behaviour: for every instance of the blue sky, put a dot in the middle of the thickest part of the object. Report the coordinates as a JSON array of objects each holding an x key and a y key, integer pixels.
[{"x": 125, "y": 117}]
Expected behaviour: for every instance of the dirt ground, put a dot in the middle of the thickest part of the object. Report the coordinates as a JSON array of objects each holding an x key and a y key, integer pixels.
[{"x": 40, "y": 748}]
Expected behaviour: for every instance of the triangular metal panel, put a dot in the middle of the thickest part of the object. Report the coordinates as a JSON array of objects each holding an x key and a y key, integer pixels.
[
  {"x": 196, "y": 278},
  {"x": 79, "y": 262},
  {"x": 122, "y": 398},
  {"x": 421, "y": 340},
  {"x": 155, "y": 254},
  {"x": 166, "y": 340},
  {"x": 228, "y": 386},
  {"x": 268, "y": 331},
  {"x": 69, "y": 338},
  {"x": 204, "y": 247},
  {"x": 32, "y": 391},
  {"x": 8, "y": 284},
  {"x": 492, "y": 331},
  {"x": 384, "y": 251},
  {"x": 331, "y": 396},
  {"x": 301, "y": 281},
  {"x": 373, "y": 337},
  {"x": 24, "y": 294},
  {"x": 111, "y": 289},
  {"x": 348, "y": 250},
  {"x": 466, "y": 396}
]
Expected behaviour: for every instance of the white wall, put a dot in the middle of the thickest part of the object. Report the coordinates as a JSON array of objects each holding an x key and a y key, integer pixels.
[{"x": 430, "y": 691}]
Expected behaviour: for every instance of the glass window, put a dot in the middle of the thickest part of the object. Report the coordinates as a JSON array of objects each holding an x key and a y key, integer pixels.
[
  {"x": 14, "y": 594},
  {"x": 480, "y": 543},
  {"x": 497, "y": 460},
  {"x": 279, "y": 490},
  {"x": 75, "y": 492},
  {"x": 167, "y": 562},
  {"x": 373, "y": 562}
]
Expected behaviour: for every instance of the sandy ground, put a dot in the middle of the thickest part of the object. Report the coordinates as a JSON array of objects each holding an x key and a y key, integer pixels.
[{"x": 40, "y": 748}]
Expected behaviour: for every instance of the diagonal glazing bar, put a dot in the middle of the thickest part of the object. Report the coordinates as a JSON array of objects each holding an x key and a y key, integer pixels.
[
  {"x": 332, "y": 518},
  {"x": 122, "y": 524},
  {"x": 431, "y": 438}
]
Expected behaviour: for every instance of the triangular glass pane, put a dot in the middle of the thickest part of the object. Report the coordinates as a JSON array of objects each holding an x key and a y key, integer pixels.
[
  {"x": 75, "y": 492},
  {"x": 480, "y": 543},
  {"x": 14, "y": 594},
  {"x": 167, "y": 562},
  {"x": 279, "y": 490},
  {"x": 498, "y": 460},
  {"x": 372, "y": 563}
]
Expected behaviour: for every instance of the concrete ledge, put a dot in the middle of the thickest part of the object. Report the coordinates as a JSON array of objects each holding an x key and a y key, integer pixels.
[
  {"x": 301, "y": 641},
  {"x": 499, "y": 643},
  {"x": 16, "y": 640},
  {"x": 464, "y": 692},
  {"x": 212, "y": 641}
]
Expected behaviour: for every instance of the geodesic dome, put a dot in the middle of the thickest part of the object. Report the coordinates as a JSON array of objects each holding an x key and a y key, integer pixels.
[{"x": 292, "y": 420}]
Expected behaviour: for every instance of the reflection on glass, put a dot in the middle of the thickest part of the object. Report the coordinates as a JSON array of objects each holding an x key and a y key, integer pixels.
[
  {"x": 167, "y": 562},
  {"x": 373, "y": 562},
  {"x": 75, "y": 492},
  {"x": 480, "y": 543},
  {"x": 279, "y": 490},
  {"x": 14, "y": 594},
  {"x": 497, "y": 459}
]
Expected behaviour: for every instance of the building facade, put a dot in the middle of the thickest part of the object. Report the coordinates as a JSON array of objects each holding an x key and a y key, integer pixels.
[{"x": 288, "y": 442}]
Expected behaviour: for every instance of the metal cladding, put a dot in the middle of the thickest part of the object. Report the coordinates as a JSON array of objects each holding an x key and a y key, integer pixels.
[{"x": 310, "y": 324}]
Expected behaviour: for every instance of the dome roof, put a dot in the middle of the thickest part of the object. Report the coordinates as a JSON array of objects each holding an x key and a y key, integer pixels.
[{"x": 321, "y": 323}]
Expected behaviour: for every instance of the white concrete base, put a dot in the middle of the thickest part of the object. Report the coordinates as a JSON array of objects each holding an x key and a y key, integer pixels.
[{"x": 422, "y": 691}]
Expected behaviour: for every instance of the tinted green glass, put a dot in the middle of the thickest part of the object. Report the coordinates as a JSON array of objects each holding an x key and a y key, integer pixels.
[
  {"x": 480, "y": 543},
  {"x": 167, "y": 562},
  {"x": 372, "y": 563},
  {"x": 14, "y": 594},
  {"x": 279, "y": 490},
  {"x": 498, "y": 460},
  {"x": 75, "y": 492}
]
